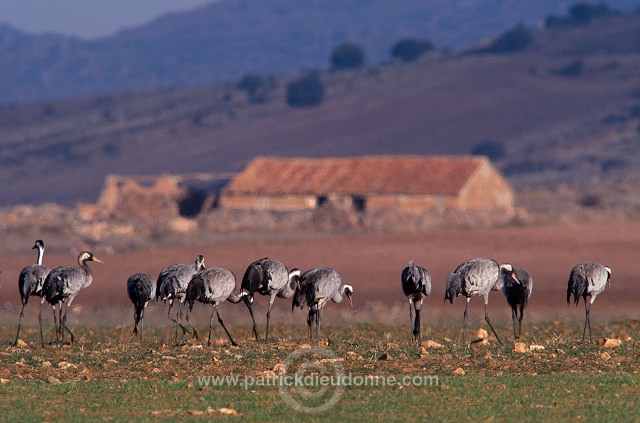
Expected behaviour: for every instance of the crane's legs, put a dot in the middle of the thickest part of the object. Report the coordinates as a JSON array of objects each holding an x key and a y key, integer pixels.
[
  {"x": 416, "y": 325},
  {"x": 318, "y": 324},
  {"x": 310, "y": 319},
  {"x": 587, "y": 321},
  {"x": 55, "y": 322},
  {"x": 520, "y": 320},
  {"x": 195, "y": 332},
  {"x": 175, "y": 320},
  {"x": 514, "y": 317},
  {"x": 215, "y": 309},
  {"x": 248, "y": 302},
  {"x": 411, "y": 322},
  {"x": 271, "y": 300},
  {"x": 64, "y": 319},
  {"x": 464, "y": 327},
  {"x": 19, "y": 324},
  {"x": 40, "y": 321},
  {"x": 486, "y": 317}
]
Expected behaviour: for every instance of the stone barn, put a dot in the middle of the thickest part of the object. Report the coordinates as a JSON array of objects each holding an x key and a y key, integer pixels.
[{"x": 369, "y": 184}]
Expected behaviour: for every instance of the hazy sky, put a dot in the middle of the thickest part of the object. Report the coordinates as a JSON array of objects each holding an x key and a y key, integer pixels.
[{"x": 86, "y": 18}]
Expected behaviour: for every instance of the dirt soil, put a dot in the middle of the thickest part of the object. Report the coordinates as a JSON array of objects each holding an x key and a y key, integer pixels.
[{"x": 372, "y": 264}]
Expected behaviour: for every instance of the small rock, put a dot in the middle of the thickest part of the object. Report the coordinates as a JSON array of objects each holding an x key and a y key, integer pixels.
[
  {"x": 612, "y": 342},
  {"x": 46, "y": 363},
  {"x": 431, "y": 344},
  {"x": 533, "y": 347},
  {"x": 21, "y": 344},
  {"x": 280, "y": 368},
  {"x": 459, "y": 372},
  {"x": 423, "y": 351},
  {"x": 227, "y": 411},
  {"x": 66, "y": 365},
  {"x": 482, "y": 334},
  {"x": 605, "y": 356},
  {"x": 4, "y": 381},
  {"x": 520, "y": 347},
  {"x": 196, "y": 412},
  {"x": 269, "y": 374}
]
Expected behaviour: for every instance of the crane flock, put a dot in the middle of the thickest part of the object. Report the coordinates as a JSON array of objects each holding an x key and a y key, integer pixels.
[{"x": 314, "y": 289}]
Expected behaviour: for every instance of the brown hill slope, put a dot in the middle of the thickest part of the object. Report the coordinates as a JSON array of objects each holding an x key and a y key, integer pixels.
[{"x": 556, "y": 127}]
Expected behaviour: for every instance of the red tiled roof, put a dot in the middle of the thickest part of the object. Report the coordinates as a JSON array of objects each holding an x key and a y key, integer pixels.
[{"x": 355, "y": 175}]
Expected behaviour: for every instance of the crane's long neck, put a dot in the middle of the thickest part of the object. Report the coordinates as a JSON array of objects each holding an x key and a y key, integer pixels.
[
  {"x": 40, "y": 254},
  {"x": 88, "y": 278},
  {"x": 339, "y": 296},
  {"x": 290, "y": 287}
]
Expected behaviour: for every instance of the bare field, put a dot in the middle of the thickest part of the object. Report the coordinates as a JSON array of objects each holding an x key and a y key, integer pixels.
[{"x": 372, "y": 264}]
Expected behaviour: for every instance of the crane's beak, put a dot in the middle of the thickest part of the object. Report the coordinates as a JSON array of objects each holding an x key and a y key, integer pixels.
[
  {"x": 513, "y": 276},
  {"x": 98, "y": 260},
  {"x": 350, "y": 301}
]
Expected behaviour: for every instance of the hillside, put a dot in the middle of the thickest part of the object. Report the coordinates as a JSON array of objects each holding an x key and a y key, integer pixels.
[
  {"x": 556, "y": 127},
  {"x": 229, "y": 38}
]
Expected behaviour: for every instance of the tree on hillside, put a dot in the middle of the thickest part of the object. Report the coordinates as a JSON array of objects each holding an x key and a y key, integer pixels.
[
  {"x": 306, "y": 91},
  {"x": 346, "y": 56},
  {"x": 516, "y": 39},
  {"x": 494, "y": 150},
  {"x": 580, "y": 14},
  {"x": 255, "y": 86},
  {"x": 409, "y": 49}
]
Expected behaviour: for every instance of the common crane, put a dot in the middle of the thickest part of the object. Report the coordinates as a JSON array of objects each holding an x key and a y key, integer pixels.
[
  {"x": 268, "y": 277},
  {"x": 172, "y": 285},
  {"x": 212, "y": 286},
  {"x": 63, "y": 284},
  {"x": 518, "y": 295},
  {"x": 477, "y": 276},
  {"x": 141, "y": 288},
  {"x": 587, "y": 280},
  {"x": 317, "y": 287},
  {"x": 30, "y": 283},
  {"x": 416, "y": 284}
]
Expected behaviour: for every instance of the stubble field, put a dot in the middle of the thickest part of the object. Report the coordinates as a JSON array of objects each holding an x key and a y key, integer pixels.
[{"x": 107, "y": 374}]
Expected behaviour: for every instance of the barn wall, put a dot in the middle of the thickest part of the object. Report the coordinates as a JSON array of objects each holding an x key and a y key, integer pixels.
[
  {"x": 409, "y": 203},
  {"x": 486, "y": 189},
  {"x": 275, "y": 203}
]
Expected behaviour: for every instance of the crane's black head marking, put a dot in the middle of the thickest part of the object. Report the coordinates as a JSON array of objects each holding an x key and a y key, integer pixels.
[
  {"x": 348, "y": 291},
  {"x": 39, "y": 244},
  {"x": 507, "y": 269},
  {"x": 200, "y": 262}
]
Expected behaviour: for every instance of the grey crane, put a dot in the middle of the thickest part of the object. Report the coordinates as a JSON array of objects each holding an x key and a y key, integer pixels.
[
  {"x": 518, "y": 295},
  {"x": 587, "y": 280},
  {"x": 270, "y": 277},
  {"x": 212, "y": 286},
  {"x": 63, "y": 284},
  {"x": 416, "y": 284},
  {"x": 141, "y": 288},
  {"x": 30, "y": 283},
  {"x": 172, "y": 285},
  {"x": 317, "y": 287},
  {"x": 477, "y": 276}
]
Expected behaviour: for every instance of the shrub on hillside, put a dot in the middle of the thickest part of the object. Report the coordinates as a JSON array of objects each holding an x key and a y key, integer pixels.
[
  {"x": 409, "y": 49},
  {"x": 307, "y": 91},
  {"x": 347, "y": 56}
]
